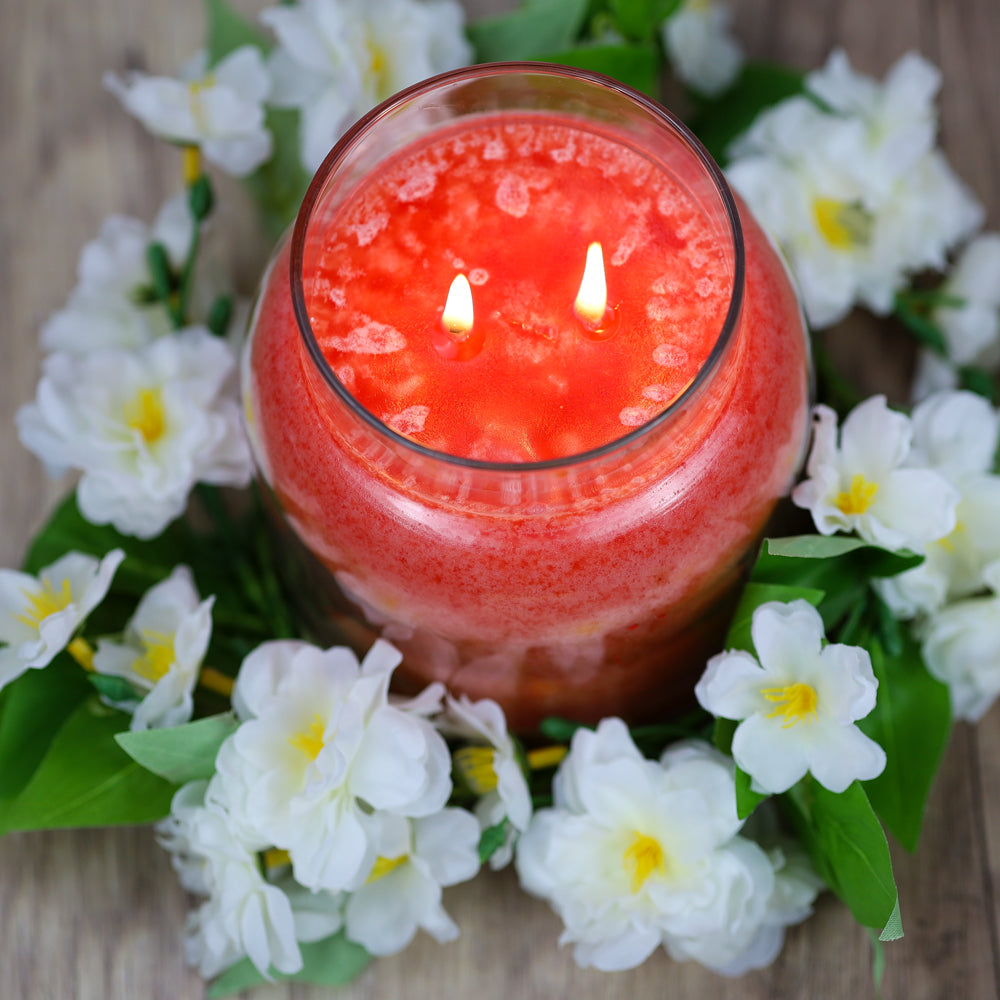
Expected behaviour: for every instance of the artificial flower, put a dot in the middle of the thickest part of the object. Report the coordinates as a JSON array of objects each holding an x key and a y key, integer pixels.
[
  {"x": 337, "y": 59},
  {"x": 143, "y": 427},
  {"x": 112, "y": 304},
  {"x": 854, "y": 192},
  {"x": 219, "y": 110},
  {"x": 40, "y": 614},
  {"x": 971, "y": 326},
  {"x": 956, "y": 435},
  {"x": 418, "y": 857},
  {"x": 961, "y": 647},
  {"x": 491, "y": 768},
  {"x": 321, "y": 753},
  {"x": 636, "y": 853},
  {"x": 863, "y": 482},
  {"x": 244, "y": 915},
  {"x": 701, "y": 49},
  {"x": 164, "y": 644},
  {"x": 796, "y": 702}
]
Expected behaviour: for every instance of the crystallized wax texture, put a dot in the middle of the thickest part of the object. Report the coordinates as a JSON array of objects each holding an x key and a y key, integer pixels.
[{"x": 514, "y": 205}]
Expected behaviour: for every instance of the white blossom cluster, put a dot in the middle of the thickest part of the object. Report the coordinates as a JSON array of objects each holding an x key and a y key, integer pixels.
[
  {"x": 925, "y": 483},
  {"x": 702, "y": 51},
  {"x": 849, "y": 181},
  {"x": 334, "y": 61},
  {"x": 328, "y": 810},
  {"x": 158, "y": 657},
  {"x": 636, "y": 854}
]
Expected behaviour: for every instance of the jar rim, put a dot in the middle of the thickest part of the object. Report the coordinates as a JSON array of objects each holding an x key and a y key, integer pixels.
[{"x": 657, "y": 113}]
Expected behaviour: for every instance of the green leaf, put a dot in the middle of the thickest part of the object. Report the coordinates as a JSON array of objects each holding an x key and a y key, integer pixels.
[
  {"x": 911, "y": 721},
  {"x": 847, "y": 848},
  {"x": 333, "y": 961},
  {"x": 641, "y": 19},
  {"x": 722, "y": 736},
  {"x": 182, "y": 753},
  {"x": 746, "y": 798},
  {"x": 718, "y": 121},
  {"x": 636, "y": 66},
  {"x": 893, "y": 929},
  {"x": 112, "y": 687},
  {"x": 32, "y": 711},
  {"x": 86, "y": 779},
  {"x": 981, "y": 381},
  {"x": 228, "y": 30},
  {"x": 924, "y": 329},
  {"x": 491, "y": 840},
  {"x": 840, "y": 566},
  {"x": 754, "y": 595},
  {"x": 537, "y": 26},
  {"x": 201, "y": 198},
  {"x": 560, "y": 730}
]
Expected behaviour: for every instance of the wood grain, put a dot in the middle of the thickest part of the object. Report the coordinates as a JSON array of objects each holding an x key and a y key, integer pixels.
[{"x": 97, "y": 915}]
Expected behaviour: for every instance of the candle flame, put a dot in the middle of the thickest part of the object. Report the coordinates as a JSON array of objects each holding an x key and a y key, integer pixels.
[
  {"x": 592, "y": 299},
  {"x": 457, "y": 315}
]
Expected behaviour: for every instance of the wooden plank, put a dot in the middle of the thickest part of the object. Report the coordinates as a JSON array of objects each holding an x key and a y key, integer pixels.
[{"x": 97, "y": 915}]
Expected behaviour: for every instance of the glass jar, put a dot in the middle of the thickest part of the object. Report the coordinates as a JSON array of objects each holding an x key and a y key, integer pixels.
[{"x": 578, "y": 582}]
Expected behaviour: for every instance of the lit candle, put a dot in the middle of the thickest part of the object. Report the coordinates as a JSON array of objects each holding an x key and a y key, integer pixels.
[{"x": 545, "y": 497}]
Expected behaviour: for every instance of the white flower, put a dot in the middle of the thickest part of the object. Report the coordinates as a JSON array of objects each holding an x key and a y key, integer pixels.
[
  {"x": 244, "y": 916},
  {"x": 322, "y": 753},
  {"x": 797, "y": 702},
  {"x": 961, "y": 647},
  {"x": 637, "y": 853},
  {"x": 491, "y": 768},
  {"x": 165, "y": 642},
  {"x": 142, "y": 426},
  {"x": 219, "y": 110},
  {"x": 955, "y": 434},
  {"x": 857, "y": 196},
  {"x": 403, "y": 893},
  {"x": 898, "y": 115},
  {"x": 337, "y": 59},
  {"x": 973, "y": 328},
  {"x": 864, "y": 485},
  {"x": 38, "y": 615},
  {"x": 701, "y": 49},
  {"x": 110, "y": 306}
]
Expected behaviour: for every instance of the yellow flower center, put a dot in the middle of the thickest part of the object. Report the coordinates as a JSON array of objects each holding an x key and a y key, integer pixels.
[
  {"x": 310, "y": 741},
  {"x": 195, "y": 87},
  {"x": 157, "y": 657},
  {"x": 378, "y": 66},
  {"x": 144, "y": 413},
  {"x": 643, "y": 857},
  {"x": 859, "y": 497},
  {"x": 475, "y": 765},
  {"x": 385, "y": 865},
  {"x": 949, "y": 541},
  {"x": 844, "y": 225},
  {"x": 44, "y": 602},
  {"x": 276, "y": 857},
  {"x": 794, "y": 703}
]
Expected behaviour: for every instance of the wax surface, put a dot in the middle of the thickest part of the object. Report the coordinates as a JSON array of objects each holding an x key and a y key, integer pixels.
[
  {"x": 595, "y": 592},
  {"x": 513, "y": 204}
]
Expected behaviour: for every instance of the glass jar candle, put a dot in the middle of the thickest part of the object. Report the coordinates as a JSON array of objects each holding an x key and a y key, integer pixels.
[{"x": 542, "y": 489}]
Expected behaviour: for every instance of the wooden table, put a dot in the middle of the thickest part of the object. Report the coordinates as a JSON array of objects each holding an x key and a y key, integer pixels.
[{"x": 98, "y": 915}]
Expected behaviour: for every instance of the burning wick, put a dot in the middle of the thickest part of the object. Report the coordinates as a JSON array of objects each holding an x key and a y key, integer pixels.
[
  {"x": 457, "y": 339},
  {"x": 591, "y": 305},
  {"x": 457, "y": 316}
]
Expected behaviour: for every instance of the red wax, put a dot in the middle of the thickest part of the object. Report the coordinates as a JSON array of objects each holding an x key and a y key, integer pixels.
[
  {"x": 594, "y": 588},
  {"x": 513, "y": 204}
]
